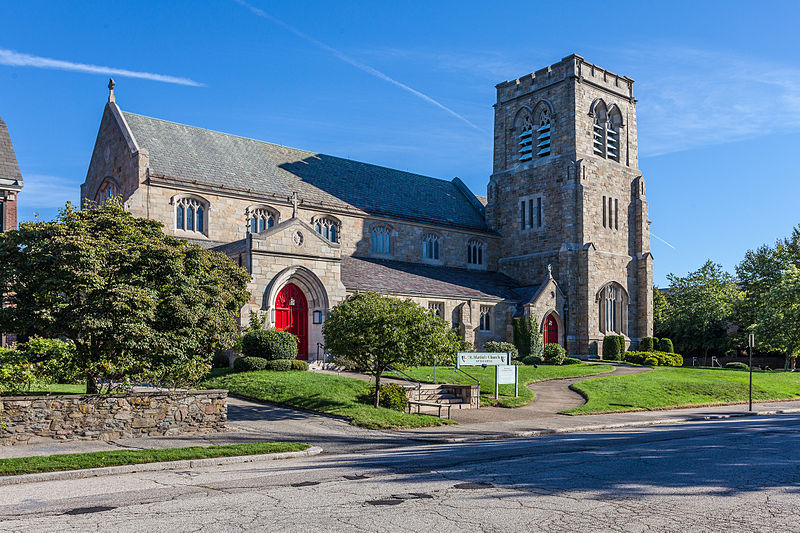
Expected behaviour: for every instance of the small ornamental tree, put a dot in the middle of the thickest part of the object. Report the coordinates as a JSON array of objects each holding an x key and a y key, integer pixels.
[
  {"x": 376, "y": 332},
  {"x": 778, "y": 323},
  {"x": 137, "y": 304}
]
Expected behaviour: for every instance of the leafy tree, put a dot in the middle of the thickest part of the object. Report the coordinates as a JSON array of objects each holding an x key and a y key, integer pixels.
[
  {"x": 661, "y": 313},
  {"x": 701, "y": 309},
  {"x": 376, "y": 332},
  {"x": 136, "y": 304},
  {"x": 778, "y": 324}
]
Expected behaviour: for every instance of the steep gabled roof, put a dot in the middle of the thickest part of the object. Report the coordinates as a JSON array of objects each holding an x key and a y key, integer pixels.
[
  {"x": 221, "y": 159},
  {"x": 397, "y": 277},
  {"x": 10, "y": 175}
]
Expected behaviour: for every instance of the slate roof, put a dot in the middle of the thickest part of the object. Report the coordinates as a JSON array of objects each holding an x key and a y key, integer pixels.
[
  {"x": 187, "y": 152},
  {"x": 397, "y": 277},
  {"x": 10, "y": 175}
]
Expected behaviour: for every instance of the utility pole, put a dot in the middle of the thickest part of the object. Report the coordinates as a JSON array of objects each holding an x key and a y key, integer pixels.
[{"x": 751, "y": 342}]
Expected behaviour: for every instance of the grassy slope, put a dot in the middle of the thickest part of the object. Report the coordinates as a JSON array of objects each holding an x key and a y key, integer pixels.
[
  {"x": 527, "y": 374},
  {"x": 667, "y": 387},
  {"x": 325, "y": 393},
  {"x": 79, "y": 461}
]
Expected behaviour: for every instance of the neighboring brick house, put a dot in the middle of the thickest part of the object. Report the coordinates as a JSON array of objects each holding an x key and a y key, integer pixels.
[
  {"x": 10, "y": 185},
  {"x": 312, "y": 228}
]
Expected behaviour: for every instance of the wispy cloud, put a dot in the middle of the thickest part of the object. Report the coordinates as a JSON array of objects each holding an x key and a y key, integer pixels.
[
  {"x": 48, "y": 192},
  {"x": 357, "y": 64},
  {"x": 16, "y": 59}
]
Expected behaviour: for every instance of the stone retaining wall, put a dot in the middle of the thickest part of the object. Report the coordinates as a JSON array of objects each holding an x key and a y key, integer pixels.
[{"x": 29, "y": 419}]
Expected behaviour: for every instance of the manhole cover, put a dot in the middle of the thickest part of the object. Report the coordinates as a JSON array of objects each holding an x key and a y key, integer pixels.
[
  {"x": 305, "y": 484},
  {"x": 472, "y": 486},
  {"x": 87, "y": 510}
]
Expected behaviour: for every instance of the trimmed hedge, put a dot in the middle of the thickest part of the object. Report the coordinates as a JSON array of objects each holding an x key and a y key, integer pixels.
[
  {"x": 611, "y": 351},
  {"x": 502, "y": 347},
  {"x": 554, "y": 354},
  {"x": 393, "y": 396},
  {"x": 661, "y": 358},
  {"x": 665, "y": 345},
  {"x": 279, "y": 365},
  {"x": 297, "y": 364},
  {"x": 271, "y": 344},
  {"x": 249, "y": 364},
  {"x": 647, "y": 344},
  {"x": 571, "y": 361},
  {"x": 736, "y": 365},
  {"x": 532, "y": 360}
]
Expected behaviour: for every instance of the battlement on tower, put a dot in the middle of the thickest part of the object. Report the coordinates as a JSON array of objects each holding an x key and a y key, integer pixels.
[{"x": 572, "y": 66}]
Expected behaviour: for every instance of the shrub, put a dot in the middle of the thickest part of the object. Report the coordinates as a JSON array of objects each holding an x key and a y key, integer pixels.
[
  {"x": 527, "y": 337},
  {"x": 736, "y": 365},
  {"x": 665, "y": 345},
  {"x": 249, "y": 364},
  {"x": 53, "y": 358},
  {"x": 621, "y": 343},
  {"x": 651, "y": 360},
  {"x": 279, "y": 365},
  {"x": 647, "y": 344},
  {"x": 297, "y": 364},
  {"x": 271, "y": 344},
  {"x": 502, "y": 347},
  {"x": 17, "y": 374},
  {"x": 554, "y": 354},
  {"x": 532, "y": 360},
  {"x": 571, "y": 361},
  {"x": 611, "y": 351},
  {"x": 393, "y": 396}
]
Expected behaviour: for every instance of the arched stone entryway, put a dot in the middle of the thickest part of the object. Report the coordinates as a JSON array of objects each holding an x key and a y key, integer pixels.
[
  {"x": 291, "y": 314},
  {"x": 550, "y": 330}
]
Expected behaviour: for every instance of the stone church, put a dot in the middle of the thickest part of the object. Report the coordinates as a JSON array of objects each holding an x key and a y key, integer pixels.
[
  {"x": 10, "y": 187},
  {"x": 562, "y": 235}
]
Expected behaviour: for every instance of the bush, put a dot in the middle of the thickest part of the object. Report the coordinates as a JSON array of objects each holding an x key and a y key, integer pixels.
[
  {"x": 554, "y": 354},
  {"x": 736, "y": 365},
  {"x": 665, "y": 345},
  {"x": 17, "y": 374},
  {"x": 651, "y": 360},
  {"x": 249, "y": 364},
  {"x": 571, "y": 361},
  {"x": 621, "y": 343},
  {"x": 502, "y": 347},
  {"x": 270, "y": 344},
  {"x": 393, "y": 396},
  {"x": 279, "y": 365},
  {"x": 297, "y": 364},
  {"x": 532, "y": 360},
  {"x": 611, "y": 351},
  {"x": 647, "y": 344},
  {"x": 54, "y": 359}
]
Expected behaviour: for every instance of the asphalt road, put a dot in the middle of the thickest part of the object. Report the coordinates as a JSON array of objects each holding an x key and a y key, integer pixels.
[{"x": 735, "y": 475}]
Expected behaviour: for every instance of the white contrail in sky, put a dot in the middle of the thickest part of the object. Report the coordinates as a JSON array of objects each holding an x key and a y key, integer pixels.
[
  {"x": 15, "y": 59},
  {"x": 662, "y": 240},
  {"x": 347, "y": 59}
]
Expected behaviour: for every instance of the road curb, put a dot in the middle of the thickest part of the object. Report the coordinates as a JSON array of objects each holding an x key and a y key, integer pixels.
[
  {"x": 603, "y": 427},
  {"x": 154, "y": 467}
]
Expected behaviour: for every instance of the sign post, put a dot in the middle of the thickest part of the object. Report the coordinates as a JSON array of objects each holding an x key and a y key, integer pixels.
[
  {"x": 506, "y": 375},
  {"x": 504, "y": 372},
  {"x": 751, "y": 342}
]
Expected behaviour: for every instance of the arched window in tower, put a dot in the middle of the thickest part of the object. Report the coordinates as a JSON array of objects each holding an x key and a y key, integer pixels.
[
  {"x": 614, "y": 123},
  {"x": 543, "y": 131},
  {"x": 261, "y": 219},
  {"x": 381, "y": 240},
  {"x": 525, "y": 128},
  {"x": 107, "y": 189},
  {"x": 475, "y": 252},
  {"x": 612, "y": 309},
  {"x": 599, "y": 129},
  {"x": 430, "y": 246},
  {"x": 328, "y": 227},
  {"x": 191, "y": 215}
]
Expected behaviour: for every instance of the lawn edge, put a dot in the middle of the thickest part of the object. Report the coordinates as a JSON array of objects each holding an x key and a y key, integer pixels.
[
  {"x": 154, "y": 467},
  {"x": 673, "y": 407}
]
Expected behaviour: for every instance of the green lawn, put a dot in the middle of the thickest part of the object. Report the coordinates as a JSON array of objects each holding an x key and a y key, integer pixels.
[
  {"x": 79, "y": 461},
  {"x": 53, "y": 388},
  {"x": 325, "y": 393},
  {"x": 667, "y": 387},
  {"x": 527, "y": 374}
]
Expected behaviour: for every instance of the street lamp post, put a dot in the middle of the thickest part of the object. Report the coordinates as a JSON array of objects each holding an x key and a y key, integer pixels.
[
  {"x": 566, "y": 326},
  {"x": 751, "y": 342}
]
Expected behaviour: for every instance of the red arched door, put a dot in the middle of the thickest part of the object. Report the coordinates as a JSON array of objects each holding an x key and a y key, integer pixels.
[
  {"x": 550, "y": 330},
  {"x": 291, "y": 314}
]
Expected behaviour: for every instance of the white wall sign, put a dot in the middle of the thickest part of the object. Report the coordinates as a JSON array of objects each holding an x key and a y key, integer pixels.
[
  {"x": 506, "y": 375},
  {"x": 480, "y": 359}
]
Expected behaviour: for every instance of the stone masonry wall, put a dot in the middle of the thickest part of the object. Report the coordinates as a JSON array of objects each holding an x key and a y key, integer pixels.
[{"x": 29, "y": 419}]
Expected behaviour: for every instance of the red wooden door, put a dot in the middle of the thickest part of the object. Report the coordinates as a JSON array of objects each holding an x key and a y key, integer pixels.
[
  {"x": 550, "y": 330},
  {"x": 291, "y": 314}
]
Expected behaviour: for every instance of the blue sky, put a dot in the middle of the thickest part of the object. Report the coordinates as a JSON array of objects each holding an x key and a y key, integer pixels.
[{"x": 411, "y": 86}]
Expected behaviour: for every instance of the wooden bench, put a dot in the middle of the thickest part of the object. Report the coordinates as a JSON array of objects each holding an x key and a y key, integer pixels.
[{"x": 420, "y": 404}]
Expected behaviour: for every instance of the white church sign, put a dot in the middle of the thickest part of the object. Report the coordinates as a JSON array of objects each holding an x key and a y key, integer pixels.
[{"x": 481, "y": 359}]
